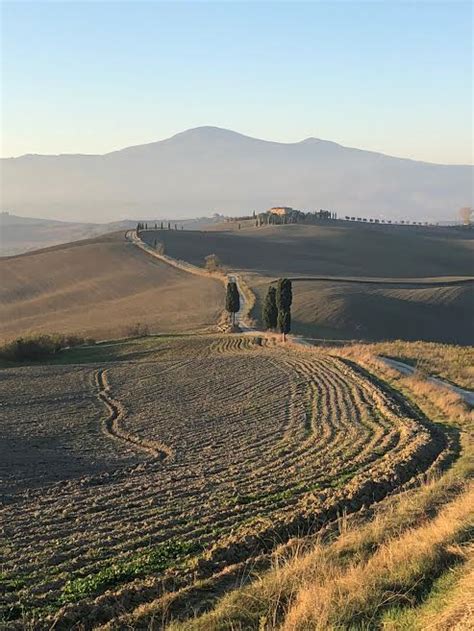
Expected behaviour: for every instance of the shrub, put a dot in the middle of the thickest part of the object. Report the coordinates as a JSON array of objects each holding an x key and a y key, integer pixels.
[
  {"x": 39, "y": 346},
  {"x": 212, "y": 263}
]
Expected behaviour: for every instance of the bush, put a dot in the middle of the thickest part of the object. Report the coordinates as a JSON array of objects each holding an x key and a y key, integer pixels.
[
  {"x": 39, "y": 346},
  {"x": 212, "y": 263}
]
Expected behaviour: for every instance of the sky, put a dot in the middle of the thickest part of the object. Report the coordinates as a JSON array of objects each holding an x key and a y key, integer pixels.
[{"x": 91, "y": 77}]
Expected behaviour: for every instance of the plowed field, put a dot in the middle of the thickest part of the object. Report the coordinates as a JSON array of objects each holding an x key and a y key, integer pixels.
[{"x": 125, "y": 481}]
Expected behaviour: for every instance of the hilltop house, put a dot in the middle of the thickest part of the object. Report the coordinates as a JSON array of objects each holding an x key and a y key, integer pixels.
[{"x": 282, "y": 211}]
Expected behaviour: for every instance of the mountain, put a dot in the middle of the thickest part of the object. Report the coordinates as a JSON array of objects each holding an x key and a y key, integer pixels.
[{"x": 207, "y": 170}]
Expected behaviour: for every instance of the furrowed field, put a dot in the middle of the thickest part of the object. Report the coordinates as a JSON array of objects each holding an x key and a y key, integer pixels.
[{"x": 159, "y": 473}]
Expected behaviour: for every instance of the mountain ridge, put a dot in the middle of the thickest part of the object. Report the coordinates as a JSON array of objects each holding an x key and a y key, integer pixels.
[
  {"x": 208, "y": 169},
  {"x": 208, "y": 128}
]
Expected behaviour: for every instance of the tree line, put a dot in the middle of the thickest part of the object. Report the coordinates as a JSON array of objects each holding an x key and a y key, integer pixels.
[
  {"x": 144, "y": 226},
  {"x": 276, "y": 309}
]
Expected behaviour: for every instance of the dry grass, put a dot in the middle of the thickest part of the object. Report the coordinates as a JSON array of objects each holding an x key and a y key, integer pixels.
[
  {"x": 453, "y": 363},
  {"x": 454, "y": 608},
  {"x": 100, "y": 288},
  {"x": 344, "y": 597}
]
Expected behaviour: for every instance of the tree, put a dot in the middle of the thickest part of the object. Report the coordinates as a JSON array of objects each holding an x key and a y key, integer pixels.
[
  {"x": 211, "y": 263},
  {"x": 270, "y": 309},
  {"x": 284, "y": 323},
  {"x": 284, "y": 294},
  {"x": 232, "y": 300},
  {"x": 284, "y": 298}
]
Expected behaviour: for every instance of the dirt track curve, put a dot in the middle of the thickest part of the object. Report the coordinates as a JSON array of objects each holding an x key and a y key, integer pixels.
[{"x": 111, "y": 425}]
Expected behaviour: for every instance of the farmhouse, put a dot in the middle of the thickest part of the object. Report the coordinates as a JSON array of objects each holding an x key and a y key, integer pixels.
[{"x": 281, "y": 211}]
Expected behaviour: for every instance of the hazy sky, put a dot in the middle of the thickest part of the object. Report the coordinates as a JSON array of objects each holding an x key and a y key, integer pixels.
[{"x": 91, "y": 77}]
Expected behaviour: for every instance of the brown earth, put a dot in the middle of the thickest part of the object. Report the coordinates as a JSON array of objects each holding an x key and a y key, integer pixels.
[
  {"x": 101, "y": 288},
  {"x": 220, "y": 444}
]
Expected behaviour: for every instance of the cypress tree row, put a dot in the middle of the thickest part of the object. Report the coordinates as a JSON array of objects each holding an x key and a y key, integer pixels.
[{"x": 270, "y": 310}]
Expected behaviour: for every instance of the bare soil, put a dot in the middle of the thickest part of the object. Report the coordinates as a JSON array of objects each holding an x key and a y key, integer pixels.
[
  {"x": 102, "y": 288},
  {"x": 218, "y": 449}
]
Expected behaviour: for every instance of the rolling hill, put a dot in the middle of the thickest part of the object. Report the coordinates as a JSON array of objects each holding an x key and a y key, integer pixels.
[
  {"x": 22, "y": 234},
  {"x": 352, "y": 281},
  {"x": 207, "y": 169},
  {"x": 102, "y": 288}
]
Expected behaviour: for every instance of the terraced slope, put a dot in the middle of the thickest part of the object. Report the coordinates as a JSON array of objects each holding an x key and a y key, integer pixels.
[
  {"x": 352, "y": 281},
  {"x": 214, "y": 453},
  {"x": 101, "y": 288}
]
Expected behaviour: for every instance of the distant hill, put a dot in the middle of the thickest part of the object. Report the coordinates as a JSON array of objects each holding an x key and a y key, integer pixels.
[
  {"x": 102, "y": 288},
  {"x": 207, "y": 170},
  {"x": 351, "y": 281},
  {"x": 23, "y": 234}
]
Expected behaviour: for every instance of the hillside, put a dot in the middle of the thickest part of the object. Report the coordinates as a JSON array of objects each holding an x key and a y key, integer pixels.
[
  {"x": 101, "y": 288},
  {"x": 22, "y": 234},
  {"x": 207, "y": 169},
  {"x": 422, "y": 289}
]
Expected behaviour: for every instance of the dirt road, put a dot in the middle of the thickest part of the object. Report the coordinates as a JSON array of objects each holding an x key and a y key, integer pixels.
[{"x": 406, "y": 369}]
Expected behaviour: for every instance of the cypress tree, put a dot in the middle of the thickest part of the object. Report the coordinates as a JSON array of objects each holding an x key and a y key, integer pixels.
[
  {"x": 284, "y": 298},
  {"x": 284, "y": 323},
  {"x": 270, "y": 310},
  {"x": 232, "y": 300},
  {"x": 284, "y": 294}
]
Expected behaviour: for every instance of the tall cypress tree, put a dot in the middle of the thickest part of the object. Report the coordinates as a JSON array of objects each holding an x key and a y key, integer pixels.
[
  {"x": 232, "y": 300},
  {"x": 284, "y": 298},
  {"x": 270, "y": 310},
  {"x": 284, "y": 323},
  {"x": 284, "y": 294}
]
